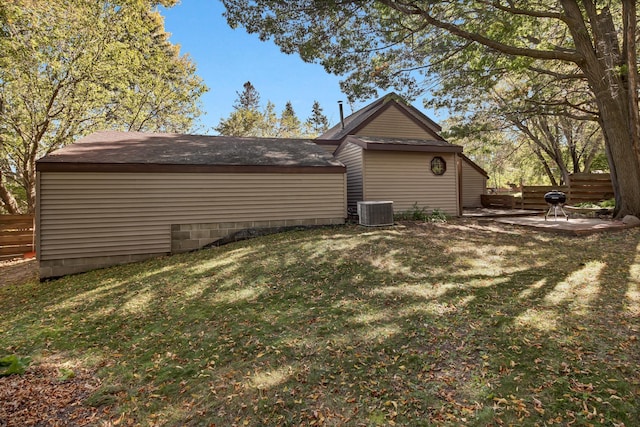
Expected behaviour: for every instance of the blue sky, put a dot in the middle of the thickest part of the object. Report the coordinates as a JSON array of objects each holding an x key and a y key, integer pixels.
[{"x": 227, "y": 58}]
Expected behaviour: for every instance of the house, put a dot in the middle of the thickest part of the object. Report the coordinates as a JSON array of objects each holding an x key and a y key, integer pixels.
[
  {"x": 392, "y": 151},
  {"x": 118, "y": 197},
  {"x": 474, "y": 183}
]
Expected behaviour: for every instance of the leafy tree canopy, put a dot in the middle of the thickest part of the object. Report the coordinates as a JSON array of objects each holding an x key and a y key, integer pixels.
[
  {"x": 555, "y": 123},
  {"x": 416, "y": 45},
  {"x": 71, "y": 67}
]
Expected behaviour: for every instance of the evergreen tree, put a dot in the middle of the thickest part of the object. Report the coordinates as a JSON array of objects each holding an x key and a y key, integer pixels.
[
  {"x": 249, "y": 99},
  {"x": 246, "y": 118},
  {"x": 289, "y": 125},
  {"x": 318, "y": 123}
]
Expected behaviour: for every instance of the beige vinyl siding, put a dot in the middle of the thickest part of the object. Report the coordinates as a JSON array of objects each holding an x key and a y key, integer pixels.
[
  {"x": 328, "y": 148},
  {"x": 394, "y": 123},
  {"x": 351, "y": 157},
  {"x": 101, "y": 214},
  {"x": 406, "y": 178},
  {"x": 473, "y": 185}
]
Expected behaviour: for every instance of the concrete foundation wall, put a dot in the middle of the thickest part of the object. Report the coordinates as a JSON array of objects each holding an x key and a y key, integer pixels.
[{"x": 188, "y": 237}]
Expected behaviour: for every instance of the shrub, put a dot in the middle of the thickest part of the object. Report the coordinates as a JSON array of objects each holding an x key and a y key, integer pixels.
[
  {"x": 437, "y": 216},
  {"x": 609, "y": 203},
  {"x": 417, "y": 213}
]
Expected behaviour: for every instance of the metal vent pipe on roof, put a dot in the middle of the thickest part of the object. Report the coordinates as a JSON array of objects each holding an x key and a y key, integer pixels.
[{"x": 341, "y": 114}]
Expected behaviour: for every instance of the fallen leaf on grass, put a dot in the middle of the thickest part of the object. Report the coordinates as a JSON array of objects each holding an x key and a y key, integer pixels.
[{"x": 38, "y": 397}]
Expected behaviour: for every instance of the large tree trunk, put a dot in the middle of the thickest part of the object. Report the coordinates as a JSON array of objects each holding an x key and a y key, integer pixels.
[
  {"x": 622, "y": 157},
  {"x": 8, "y": 201},
  {"x": 603, "y": 67},
  {"x": 29, "y": 182},
  {"x": 545, "y": 165},
  {"x": 629, "y": 47}
]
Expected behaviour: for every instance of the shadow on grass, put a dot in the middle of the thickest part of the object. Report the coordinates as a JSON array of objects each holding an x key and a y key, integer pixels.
[{"x": 446, "y": 324}]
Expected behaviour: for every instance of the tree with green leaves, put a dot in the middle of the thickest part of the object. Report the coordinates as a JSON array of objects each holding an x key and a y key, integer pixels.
[
  {"x": 526, "y": 107},
  {"x": 247, "y": 119},
  {"x": 396, "y": 43},
  {"x": 317, "y": 123},
  {"x": 547, "y": 147},
  {"x": 69, "y": 68},
  {"x": 269, "y": 125},
  {"x": 241, "y": 122}
]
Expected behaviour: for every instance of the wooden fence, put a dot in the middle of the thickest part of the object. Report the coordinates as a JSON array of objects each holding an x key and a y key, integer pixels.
[
  {"x": 590, "y": 187},
  {"x": 16, "y": 236},
  {"x": 533, "y": 195},
  {"x": 501, "y": 201},
  {"x": 582, "y": 187}
]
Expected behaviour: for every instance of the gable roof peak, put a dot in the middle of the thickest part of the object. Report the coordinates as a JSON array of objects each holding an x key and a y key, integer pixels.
[
  {"x": 357, "y": 119},
  {"x": 392, "y": 96}
]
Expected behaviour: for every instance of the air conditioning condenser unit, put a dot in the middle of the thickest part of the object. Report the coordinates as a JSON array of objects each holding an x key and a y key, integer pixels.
[{"x": 375, "y": 213}]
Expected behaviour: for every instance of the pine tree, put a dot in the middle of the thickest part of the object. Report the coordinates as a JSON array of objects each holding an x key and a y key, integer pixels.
[
  {"x": 249, "y": 99},
  {"x": 289, "y": 125},
  {"x": 246, "y": 118},
  {"x": 318, "y": 123}
]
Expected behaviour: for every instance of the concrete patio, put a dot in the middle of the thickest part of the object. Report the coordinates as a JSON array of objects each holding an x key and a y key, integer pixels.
[
  {"x": 535, "y": 219},
  {"x": 572, "y": 226}
]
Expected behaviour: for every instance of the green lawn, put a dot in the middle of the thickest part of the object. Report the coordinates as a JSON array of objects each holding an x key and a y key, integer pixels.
[{"x": 434, "y": 324}]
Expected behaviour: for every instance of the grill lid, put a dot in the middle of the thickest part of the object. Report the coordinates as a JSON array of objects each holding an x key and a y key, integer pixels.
[{"x": 555, "y": 197}]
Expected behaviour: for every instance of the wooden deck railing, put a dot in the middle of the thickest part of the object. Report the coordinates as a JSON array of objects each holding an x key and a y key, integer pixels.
[
  {"x": 503, "y": 201},
  {"x": 16, "y": 236}
]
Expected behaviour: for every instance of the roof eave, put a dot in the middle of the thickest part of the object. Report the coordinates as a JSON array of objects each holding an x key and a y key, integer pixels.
[
  {"x": 389, "y": 146},
  {"x": 184, "y": 168},
  {"x": 474, "y": 165},
  {"x": 404, "y": 147}
]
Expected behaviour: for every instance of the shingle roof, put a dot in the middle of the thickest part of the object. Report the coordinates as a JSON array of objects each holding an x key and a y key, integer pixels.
[
  {"x": 362, "y": 116},
  {"x": 129, "y": 148},
  {"x": 401, "y": 144}
]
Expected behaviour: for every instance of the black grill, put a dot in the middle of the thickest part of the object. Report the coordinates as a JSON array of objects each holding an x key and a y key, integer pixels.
[{"x": 556, "y": 199}]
